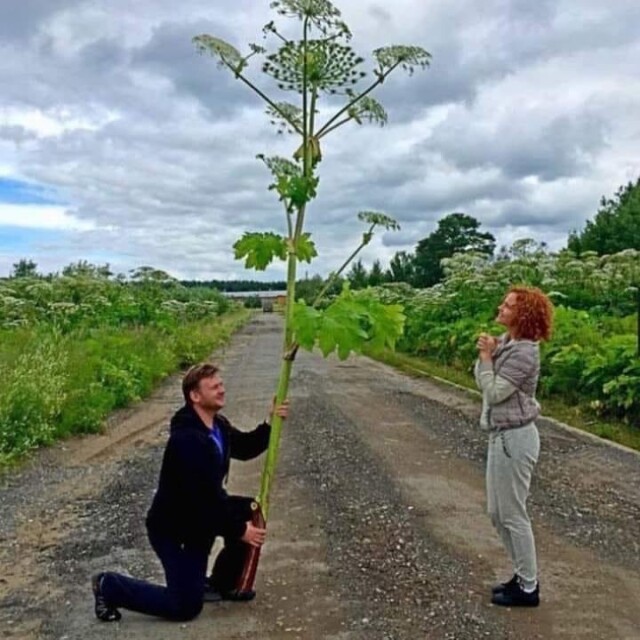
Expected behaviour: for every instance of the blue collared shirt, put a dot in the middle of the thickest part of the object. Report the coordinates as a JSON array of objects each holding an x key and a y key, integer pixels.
[{"x": 216, "y": 436}]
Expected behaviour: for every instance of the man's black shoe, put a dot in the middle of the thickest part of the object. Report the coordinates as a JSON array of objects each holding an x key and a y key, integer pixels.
[
  {"x": 506, "y": 586},
  {"x": 517, "y": 597},
  {"x": 238, "y": 596},
  {"x": 103, "y": 610},
  {"x": 211, "y": 595}
]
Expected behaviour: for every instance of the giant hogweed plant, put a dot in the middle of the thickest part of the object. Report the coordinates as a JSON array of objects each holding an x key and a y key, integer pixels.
[{"x": 320, "y": 64}]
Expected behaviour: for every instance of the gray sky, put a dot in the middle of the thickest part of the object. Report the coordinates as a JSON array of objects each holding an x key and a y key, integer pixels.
[{"x": 120, "y": 144}]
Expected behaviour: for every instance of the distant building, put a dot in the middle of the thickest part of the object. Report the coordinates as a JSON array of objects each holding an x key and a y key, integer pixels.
[{"x": 267, "y": 298}]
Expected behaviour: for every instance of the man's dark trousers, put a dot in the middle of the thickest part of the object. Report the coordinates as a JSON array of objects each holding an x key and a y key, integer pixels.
[{"x": 185, "y": 570}]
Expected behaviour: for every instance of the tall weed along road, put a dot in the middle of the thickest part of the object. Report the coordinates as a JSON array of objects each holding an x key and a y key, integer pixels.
[{"x": 377, "y": 527}]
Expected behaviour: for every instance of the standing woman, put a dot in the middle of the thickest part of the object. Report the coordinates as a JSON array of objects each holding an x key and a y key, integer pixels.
[{"x": 507, "y": 372}]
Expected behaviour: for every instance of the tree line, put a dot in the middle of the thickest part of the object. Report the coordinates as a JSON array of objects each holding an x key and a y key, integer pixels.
[{"x": 614, "y": 228}]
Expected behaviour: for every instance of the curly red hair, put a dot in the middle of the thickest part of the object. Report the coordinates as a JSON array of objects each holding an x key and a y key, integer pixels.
[{"x": 533, "y": 313}]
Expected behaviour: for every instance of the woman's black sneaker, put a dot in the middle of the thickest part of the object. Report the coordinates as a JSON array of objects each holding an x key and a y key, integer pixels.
[
  {"x": 103, "y": 611},
  {"x": 517, "y": 597},
  {"x": 505, "y": 586}
]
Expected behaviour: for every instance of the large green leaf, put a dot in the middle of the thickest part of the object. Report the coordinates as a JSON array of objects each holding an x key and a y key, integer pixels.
[
  {"x": 260, "y": 249},
  {"x": 305, "y": 325},
  {"x": 341, "y": 329},
  {"x": 350, "y": 324},
  {"x": 305, "y": 248},
  {"x": 386, "y": 323}
]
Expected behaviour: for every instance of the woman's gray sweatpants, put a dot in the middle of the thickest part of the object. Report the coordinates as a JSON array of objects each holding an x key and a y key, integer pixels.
[{"x": 513, "y": 454}]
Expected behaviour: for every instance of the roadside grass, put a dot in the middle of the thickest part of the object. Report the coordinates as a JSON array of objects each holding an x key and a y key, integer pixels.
[
  {"x": 55, "y": 386},
  {"x": 574, "y": 415}
]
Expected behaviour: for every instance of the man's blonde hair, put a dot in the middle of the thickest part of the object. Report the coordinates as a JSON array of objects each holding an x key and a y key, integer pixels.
[{"x": 193, "y": 376}]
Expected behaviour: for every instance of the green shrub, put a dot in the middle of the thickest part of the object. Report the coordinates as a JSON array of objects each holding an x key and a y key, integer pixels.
[
  {"x": 612, "y": 378},
  {"x": 57, "y": 385},
  {"x": 591, "y": 359},
  {"x": 563, "y": 371},
  {"x": 32, "y": 395}
]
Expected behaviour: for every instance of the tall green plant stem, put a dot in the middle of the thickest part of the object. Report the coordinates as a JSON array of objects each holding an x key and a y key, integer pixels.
[
  {"x": 310, "y": 151},
  {"x": 271, "y": 460}
]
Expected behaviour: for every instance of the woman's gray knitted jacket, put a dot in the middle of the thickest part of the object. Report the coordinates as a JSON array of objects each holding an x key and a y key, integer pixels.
[{"x": 508, "y": 384}]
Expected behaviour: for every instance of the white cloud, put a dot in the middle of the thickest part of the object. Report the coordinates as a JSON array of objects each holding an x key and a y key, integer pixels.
[
  {"x": 53, "y": 123},
  {"x": 46, "y": 217}
]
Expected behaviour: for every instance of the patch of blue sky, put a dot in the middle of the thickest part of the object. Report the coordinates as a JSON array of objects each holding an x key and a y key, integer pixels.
[
  {"x": 19, "y": 239},
  {"x": 20, "y": 192},
  {"x": 51, "y": 249}
]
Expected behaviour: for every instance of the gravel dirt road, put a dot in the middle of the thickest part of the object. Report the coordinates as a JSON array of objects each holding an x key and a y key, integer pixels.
[{"x": 377, "y": 528}]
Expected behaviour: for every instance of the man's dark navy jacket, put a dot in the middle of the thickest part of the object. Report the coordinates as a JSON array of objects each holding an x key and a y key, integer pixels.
[{"x": 191, "y": 505}]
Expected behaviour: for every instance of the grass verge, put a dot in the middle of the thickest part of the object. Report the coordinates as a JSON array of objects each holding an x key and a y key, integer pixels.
[{"x": 57, "y": 385}]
